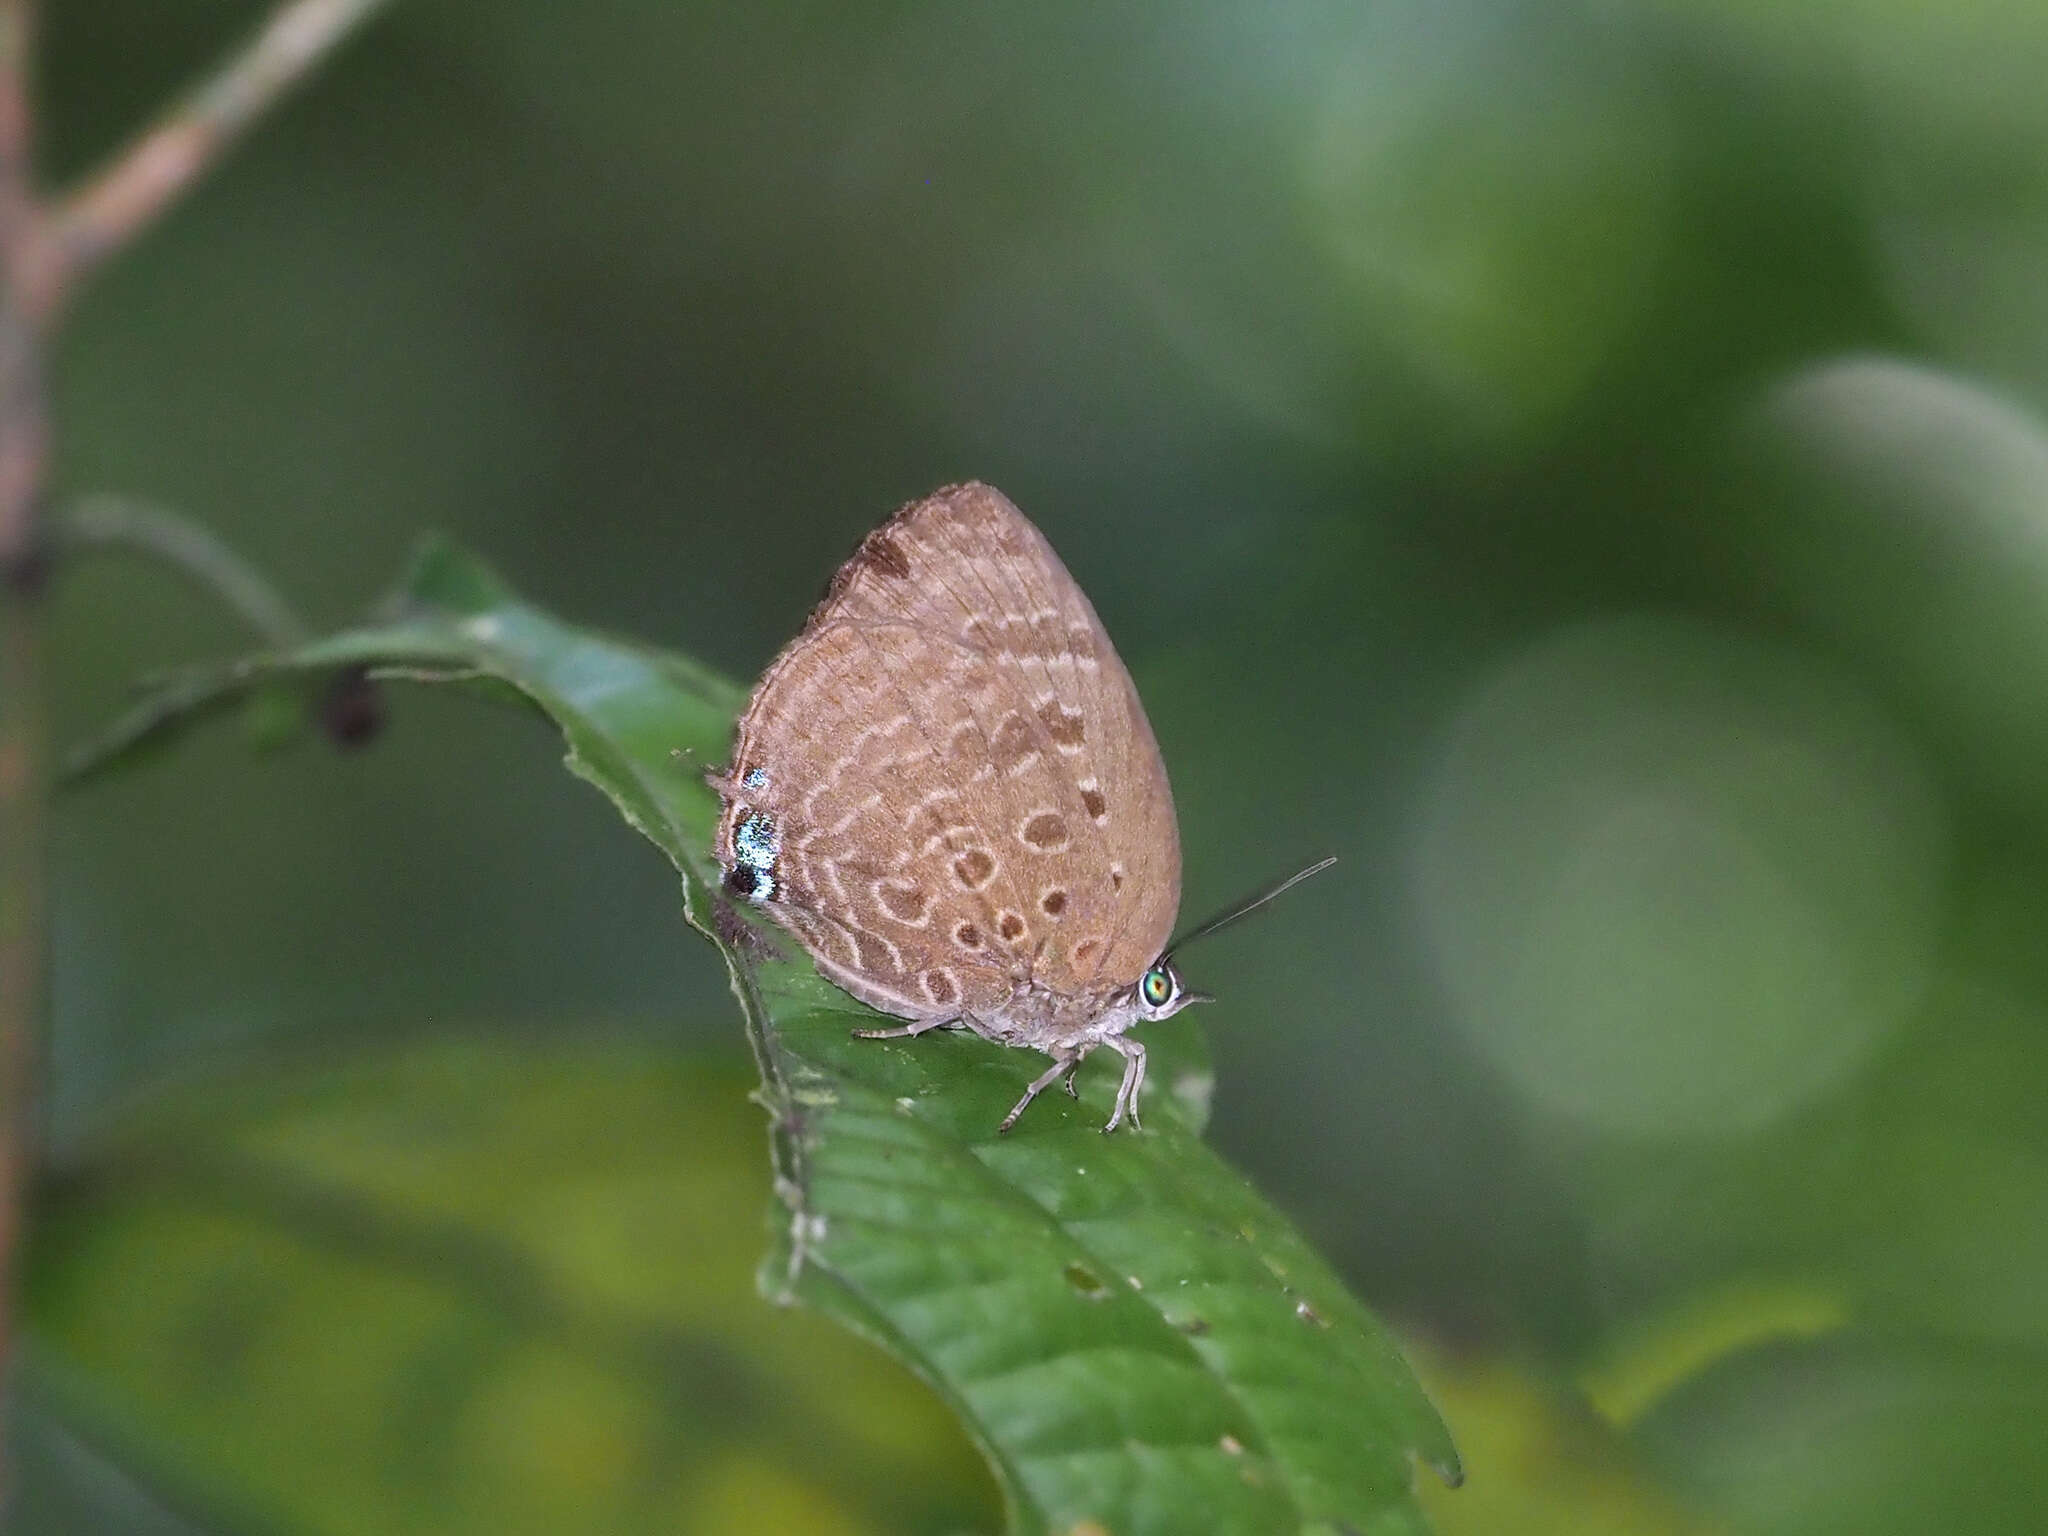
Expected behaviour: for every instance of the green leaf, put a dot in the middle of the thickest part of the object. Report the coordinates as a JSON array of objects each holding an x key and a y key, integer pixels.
[
  {"x": 1859, "y": 1433},
  {"x": 466, "y": 1287},
  {"x": 1554, "y": 1467},
  {"x": 1136, "y": 1340}
]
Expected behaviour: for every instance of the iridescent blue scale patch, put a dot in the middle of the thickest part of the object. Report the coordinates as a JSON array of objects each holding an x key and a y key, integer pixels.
[{"x": 755, "y": 848}]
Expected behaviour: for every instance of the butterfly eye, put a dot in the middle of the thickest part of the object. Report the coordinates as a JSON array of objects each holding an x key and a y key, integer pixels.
[{"x": 1157, "y": 987}]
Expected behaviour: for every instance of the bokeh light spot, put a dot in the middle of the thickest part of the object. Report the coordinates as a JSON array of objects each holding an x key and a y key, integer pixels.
[
  {"x": 1677, "y": 880},
  {"x": 1491, "y": 247},
  {"x": 1903, "y": 511}
]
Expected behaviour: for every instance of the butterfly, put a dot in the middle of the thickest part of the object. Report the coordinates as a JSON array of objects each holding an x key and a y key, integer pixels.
[{"x": 946, "y": 789}]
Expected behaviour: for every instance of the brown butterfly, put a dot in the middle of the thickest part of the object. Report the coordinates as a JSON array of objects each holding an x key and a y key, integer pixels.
[{"x": 946, "y": 788}]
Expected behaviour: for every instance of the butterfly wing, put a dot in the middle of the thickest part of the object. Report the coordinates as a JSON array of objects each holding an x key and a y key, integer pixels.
[{"x": 961, "y": 789}]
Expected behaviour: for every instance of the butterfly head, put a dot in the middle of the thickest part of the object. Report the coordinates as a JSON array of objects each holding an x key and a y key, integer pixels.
[{"x": 1161, "y": 993}]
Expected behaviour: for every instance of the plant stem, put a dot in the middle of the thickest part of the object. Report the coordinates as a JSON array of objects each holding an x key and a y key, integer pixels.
[
  {"x": 45, "y": 255},
  {"x": 105, "y": 521},
  {"x": 23, "y": 765},
  {"x": 99, "y": 218},
  {"x": 23, "y": 796}
]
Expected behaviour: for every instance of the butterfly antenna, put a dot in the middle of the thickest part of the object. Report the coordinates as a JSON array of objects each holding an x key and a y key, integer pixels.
[{"x": 1246, "y": 907}]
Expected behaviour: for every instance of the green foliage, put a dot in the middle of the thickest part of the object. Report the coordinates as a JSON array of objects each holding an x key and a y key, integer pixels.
[
  {"x": 1859, "y": 1432},
  {"x": 1133, "y": 1336},
  {"x": 1547, "y": 1465},
  {"x": 1651, "y": 399},
  {"x": 468, "y": 1287}
]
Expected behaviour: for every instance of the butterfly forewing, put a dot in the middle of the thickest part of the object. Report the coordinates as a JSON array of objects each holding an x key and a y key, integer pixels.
[{"x": 961, "y": 788}]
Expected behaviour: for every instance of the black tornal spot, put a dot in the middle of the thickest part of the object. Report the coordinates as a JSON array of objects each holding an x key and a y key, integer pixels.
[
  {"x": 1094, "y": 803},
  {"x": 938, "y": 986},
  {"x": 974, "y": 867},
  {"x": 967, "y": 936},
  {"x": 1116, "y": 879},
  {"x": 1054, "y": 902},
  {"x": 1046, "y": 831},
  {"x": 1010, "y": 926}
]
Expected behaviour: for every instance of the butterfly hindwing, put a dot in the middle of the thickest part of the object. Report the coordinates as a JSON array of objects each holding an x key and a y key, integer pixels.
[{"x": 960, "y": 789}]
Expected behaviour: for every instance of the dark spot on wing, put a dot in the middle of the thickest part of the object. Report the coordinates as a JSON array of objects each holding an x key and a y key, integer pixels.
[
  {"x": 1046, "y": 831},
  {"x": 886, "y": 555},
  {"x": 1067, "y": 727},
  {"x": 905, "y": 903},
  {"x": 1012, "y": 743}
]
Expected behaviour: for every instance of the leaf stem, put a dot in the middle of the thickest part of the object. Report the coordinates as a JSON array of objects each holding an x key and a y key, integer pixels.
[{"x": 106, "y": 521}]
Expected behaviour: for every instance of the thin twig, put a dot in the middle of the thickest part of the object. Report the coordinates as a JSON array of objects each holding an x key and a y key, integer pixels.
[
  {"x": 23, "y": 740},
  {"x": 45, "y": 256},
  {"x": 23, "y": 795},
  {"x": 106, "y": 521},
  {"x": 23, "y": 438},
  {"x": 92, "y": 223},
  {"x": 17, "y": 38}
]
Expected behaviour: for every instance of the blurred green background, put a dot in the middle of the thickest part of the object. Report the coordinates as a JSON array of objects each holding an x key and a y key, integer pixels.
[{"x": 1585, "y": 465}]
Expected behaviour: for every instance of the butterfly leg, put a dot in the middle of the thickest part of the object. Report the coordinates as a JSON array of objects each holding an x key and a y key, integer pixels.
[
  {"x": 1062, "y": 1066},
  {"x": 906, "y": 1031},
  {"x": 1127, "y": 1091}
]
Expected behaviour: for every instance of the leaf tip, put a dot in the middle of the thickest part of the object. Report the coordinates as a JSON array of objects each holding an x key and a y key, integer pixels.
[
  {"x": 441, "y": 575},
  {"x": 1441, "y": 1457}
]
